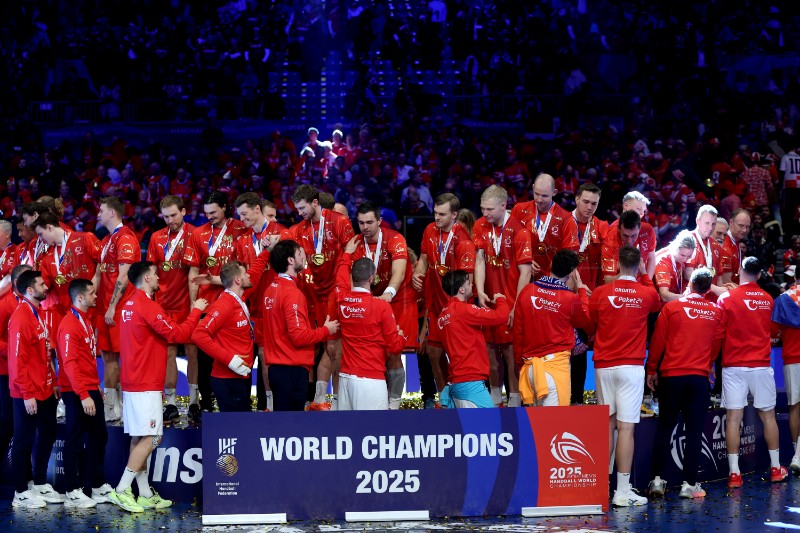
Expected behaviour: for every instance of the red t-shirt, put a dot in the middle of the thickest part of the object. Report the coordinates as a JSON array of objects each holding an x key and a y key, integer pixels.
[
  {"x": 462, "y": 337},
  {"x": 8, "y": 260},
  {"x": 548, "y": 306},
  {"x": 121, "y": 247},
  {"x": 198, "y": 251},
  {"x": 686, "y": 338},
  {"x": 246, "y": 252},
  {"x": 145, "y": 331},
  {"x": 669, "y": 273},
  {"x": 646, "y": 243},
  {"x": 699, "y": 259},
  {"x": 78, "y": 261},
  {"x": 369, "y": 333},
  {"x": 173, "y": 283},
  {"x": 225, "y": 331},
  {"x": 561, "y": 233},
  {"x": 30, "y": 373},
  {"x": 393, "y": 248},
  {"x": 619, "y": 313},
  {"x": 747, "y": 316},
  {"x": 76, "y": 347},
  {"x": 589, "y": 268},
  {"x": 502, "y": 269},
  {"x": 460, "y": 255},
  {"x": 731, "y": 258}
]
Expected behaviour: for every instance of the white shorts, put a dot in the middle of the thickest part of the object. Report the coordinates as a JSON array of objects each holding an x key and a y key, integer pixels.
[
  {"x": 551, "y": 400},
  {"x": 737, "y": 381},
  {"x": 621, "y": 389},
  {"x": 791, "y": 382},
  {"x": 362, "y": 394},
  {"x": 141, "y": 413}
]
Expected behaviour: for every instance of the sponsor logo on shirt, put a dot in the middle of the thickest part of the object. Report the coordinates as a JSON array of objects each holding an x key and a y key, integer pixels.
[
  {"x": 693, "y": 313},
  {"x": 352, "y": 311},
  {"x": 619, "y": 302},
  {"x": 755, "y": 305},
  {"x": 545, "y": 305},
  {"x": 127, "y": 316}
]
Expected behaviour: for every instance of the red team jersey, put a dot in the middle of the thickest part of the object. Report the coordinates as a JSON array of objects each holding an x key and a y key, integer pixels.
[
  {"x": 30, "y": 373},
  {"x": 619, "y": 313},
  {"x": 77, "y": 261},
  {"x": 460, "y": 255},
  {"x": 76, "y": 347},
  {"x": 699, "y": 259},
  {"x": 669, "y": 273},
  {"x": 731, "y": 258},
  {"x": 589, "y": 268},
  {"x": 561, "y": 233},
  {"x": 225, "y": 331},
  {"x": 8, "y": 260},
  {"x": 173, "y": 281},
  {"x": 197, "y": 252},
  {"x": 8, "y": 304},
  {"x": 119, "y": 247},
  {"x": 145, "y": 331},
  {"x": 460, "y": 325},
  {"x": 746, "y": 316},
  {"x": 646, "y": 243},
  {"x": 502, "y": 267}
]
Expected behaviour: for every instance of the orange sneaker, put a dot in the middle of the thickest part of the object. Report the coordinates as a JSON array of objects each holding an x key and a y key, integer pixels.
[
  {"x": 778, "y": 474},
  {"x": 735, "y": 481},
  {"x": 324, "y": 406}
]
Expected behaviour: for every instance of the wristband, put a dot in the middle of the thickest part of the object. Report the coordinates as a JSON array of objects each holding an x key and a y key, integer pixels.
[{"x": 390, "y": 290}]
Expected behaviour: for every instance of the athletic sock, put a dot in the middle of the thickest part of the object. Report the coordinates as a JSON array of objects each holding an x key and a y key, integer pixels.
[
  {"x": 397, "y": 382},
  {"x": 110, "y": 396},
  {"x": 269, "y": 400},
  {"x": 496, "y": 397},
  {"x": 144, "y": 485},
  {"x": 334, "y": 402},
  {"x": 170, "y": 396},
  {"x": 733, "y": 463},
  {"x": 623, "y": 482},
  {"x": 774, "y": 459},
  {"x": 193, "y": 393},
  {"x": 319, "y": 391},
  {"x": 126, "y": 480},
  {"x": 513, "y": 400}
]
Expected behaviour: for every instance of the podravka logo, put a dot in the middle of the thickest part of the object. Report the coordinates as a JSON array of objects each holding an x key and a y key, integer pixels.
[{"x": 227, "y": 462}]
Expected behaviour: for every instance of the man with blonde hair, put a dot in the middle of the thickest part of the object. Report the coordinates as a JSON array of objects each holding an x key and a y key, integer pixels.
[{"x": 671, "y": 264}]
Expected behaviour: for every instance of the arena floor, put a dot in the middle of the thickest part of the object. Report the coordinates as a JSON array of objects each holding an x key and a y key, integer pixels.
[{"x": 760, "y": 506}]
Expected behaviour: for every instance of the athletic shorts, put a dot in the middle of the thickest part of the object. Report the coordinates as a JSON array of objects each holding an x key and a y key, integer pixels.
[
  {"x": 737, "y": 381},
  {"x": 498, "y": 335},
  {"x": 621, "y": 389},
  {"x": 141, "y": 413},
  {"x": 321, "y": 309},
  {"x": 791, "y": 381},
  {"x": 405, "y": 314},
  {"x": 258, "y": 329},
  {"x": 179, "y": 317},
  {"x": 362, "y": 394},
  {"x": 108, "y": 336},
  {"x": 434, "y": 333}
]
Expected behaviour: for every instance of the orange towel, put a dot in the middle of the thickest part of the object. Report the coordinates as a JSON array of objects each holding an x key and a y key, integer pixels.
[{"x": 533, "y": 383}]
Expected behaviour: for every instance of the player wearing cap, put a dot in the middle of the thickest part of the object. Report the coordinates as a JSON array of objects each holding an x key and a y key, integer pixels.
[
  {"x": 546, "y": 312},
  {"x": 746, "y": 316},
  {"x": 669, "y": 277},
  {"x": 682, "y": 351},
  {"x": 146, "y": 330},
  {"x": 619, "y": 312},
  {"x": 552, "y": 227},
  {"x": 502, "y": 266}
]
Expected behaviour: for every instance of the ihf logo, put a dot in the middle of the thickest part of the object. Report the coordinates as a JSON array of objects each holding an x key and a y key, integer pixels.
[{"x": 227, "y": 463}]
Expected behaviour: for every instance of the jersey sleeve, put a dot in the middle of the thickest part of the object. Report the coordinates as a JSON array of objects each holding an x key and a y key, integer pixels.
[
  {"x": 465, "y": 255},
  {"x": 216, "y": 318},
  {"x": 663, "y": 276},
  {"x": 523, "y": 248},
  {"x": 398, "y": 248},
  {"x": 569, "y": 236},
  {"x": 608, "y": 260},
  {"x": 191, "y": 250},
  {"x": 128, "y": 250}
]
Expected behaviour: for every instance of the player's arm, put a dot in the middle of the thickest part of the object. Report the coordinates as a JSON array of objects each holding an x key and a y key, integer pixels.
[
  {"x": 119, "y": 289},
  {"x": 480, "y": 277}
]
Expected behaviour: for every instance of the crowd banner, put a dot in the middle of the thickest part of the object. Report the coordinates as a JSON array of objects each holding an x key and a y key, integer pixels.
[{"x": 366, "y": 465}]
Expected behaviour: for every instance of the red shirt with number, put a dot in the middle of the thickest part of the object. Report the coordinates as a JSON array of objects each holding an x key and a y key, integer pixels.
[
  {"x": 561, "y": 232},
  {"x": 76, "y": 347},
  {"x": 173, "y": 284},
  {"x": 460, "y": 255},
  {"x": 30, "y": 373},
  {"x": 502, "y": 268},
  {"x": 197, "y": 252}
]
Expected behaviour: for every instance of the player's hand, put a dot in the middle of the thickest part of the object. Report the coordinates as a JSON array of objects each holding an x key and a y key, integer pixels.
[
  {"x": 510, "y": 323},
  {"x": 31, "y": 406},
  {"x": 200, "y": 303},
  {"x": 483, "y": 299},
  {"x": 237, "y": 365},
  {"x": 351, "y": 246},
  {"x": 712, "y": 376},
  {"x": 642, "y": 266},
  {"x": 332, "y": 325},
  {"x": 109, "y": 316},
  {"x": 202, "y": 279},
  {"x": 88, "y": 406},
  {"x": 652, "y": 381},
  {"x": 57, "y": 392},
  {"x": 417, "y": 281},
  {"x": 400, "y": 332},
  {"x": 386, "y": 297},
  {"x": 730, "y": 285},
  {"x": 269, "y": 241},
  {"x": 535, "y": 268}
]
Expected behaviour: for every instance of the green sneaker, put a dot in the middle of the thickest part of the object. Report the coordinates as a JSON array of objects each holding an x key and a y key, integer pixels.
[
  {"x": 125, "y": 500},
  {"x": 153, "y": 502}
]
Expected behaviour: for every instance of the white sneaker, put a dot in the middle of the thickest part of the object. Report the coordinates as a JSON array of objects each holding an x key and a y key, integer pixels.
[
  {"x": 691, "y": 491},
  {"x": 100, "y": 494},
  {"x": 794, "y": 466},
  {"x": 61, "y": 409},
  {"x": 47, "y": 493},
  {"x": 657, "y": 487},
  {"x": 79, "y": 500},
  {"x": 627, "y": 499},
  {"x": 27, "y": 500}
]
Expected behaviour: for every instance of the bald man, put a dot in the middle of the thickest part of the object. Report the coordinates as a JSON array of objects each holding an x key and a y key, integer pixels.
[{"x": 552, "y": 227}]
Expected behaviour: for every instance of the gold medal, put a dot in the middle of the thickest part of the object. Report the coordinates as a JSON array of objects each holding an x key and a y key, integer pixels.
[
  {"x": 211, "y": 261},
  {"x": 376, "y": 280},
  {"x": 582, "y": 257},
  {"x": 61, "y": 279},
  {"x": 102, "y": 267},
  {"x": 542, "y": 249},
  {"x": 167, "y": 266},
  {"x": 442, "y": 270},
  {"x": 318, "y": 259},
  {"x": 713, "y": 272}
]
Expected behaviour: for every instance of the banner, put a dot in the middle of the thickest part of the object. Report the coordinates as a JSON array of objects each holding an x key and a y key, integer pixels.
[{"x": 460, "y": 462}]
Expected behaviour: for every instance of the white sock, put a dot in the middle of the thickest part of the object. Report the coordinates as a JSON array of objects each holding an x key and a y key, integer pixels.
[
  {"x": 774, "y": 460},
  {"x": 496, "y": 397},
  {"x": 319, "y": 392},
  {"x": 125, "y": 481},
  {"x": 170, "y": 395},
  {"x": 623, "y": 482},
  {"x": 269, "y": 400},
  {"x": 397, "y": 382},
  {"x": 796, "y": 445},
  {"x": 334, "y": 402},
  {"x": 193, "y": 393},
  {"x": 144, "y": 485},
  {"x": 733, "y": 463},
  {"x": 513, "y": 400},
  {"x": 111, "y": 396}
]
